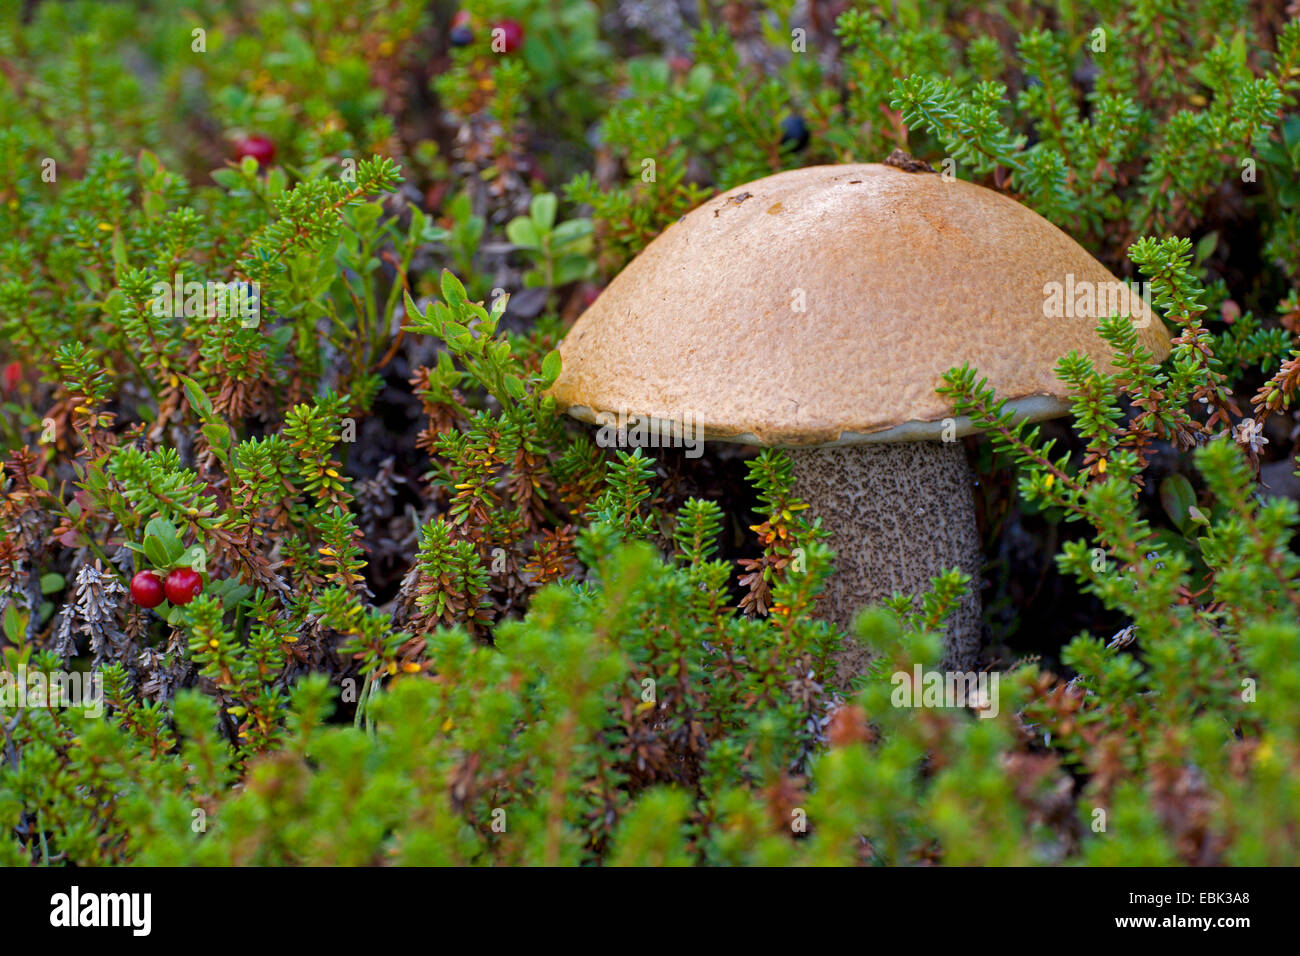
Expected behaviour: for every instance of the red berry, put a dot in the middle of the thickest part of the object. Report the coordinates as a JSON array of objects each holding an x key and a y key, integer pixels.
[
  {"x": 183, "y": 586},
  {"x": 146, "y": 589},
  {"x": 13, "y": 374},
  {"x": 460, "y": 18},
  {"x": 259, "y": 147},
  {"x": 507, "y": 35}
]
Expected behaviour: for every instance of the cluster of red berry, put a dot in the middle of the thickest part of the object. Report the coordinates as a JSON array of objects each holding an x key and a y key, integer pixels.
[{"x": 181, "y": 586}]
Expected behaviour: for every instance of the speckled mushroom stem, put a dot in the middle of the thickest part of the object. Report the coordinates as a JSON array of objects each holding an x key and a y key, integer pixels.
[{"x": 898, "y": 514}]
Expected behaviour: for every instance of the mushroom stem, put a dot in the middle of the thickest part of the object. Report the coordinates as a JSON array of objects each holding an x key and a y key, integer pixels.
[{"x": 899, "y": 513}]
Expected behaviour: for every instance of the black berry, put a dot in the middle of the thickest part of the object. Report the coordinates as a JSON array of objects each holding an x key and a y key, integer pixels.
[{"x": 794, "y": 133}]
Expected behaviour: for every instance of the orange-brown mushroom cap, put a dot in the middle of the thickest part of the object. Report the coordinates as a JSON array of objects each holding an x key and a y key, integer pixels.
[{"x": 823, "y": 305}]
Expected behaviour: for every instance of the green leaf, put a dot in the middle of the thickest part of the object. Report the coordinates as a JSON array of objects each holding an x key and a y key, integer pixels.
[
  {"x": 515, "y": 386},
  {"x": 218, "y": 435},
  {"x": 542, "y": 210},
  {"x": 551, "y": 366},
  {"x": 15, "y": 624},
  {"x": 1238, "y": 49},
  {"x": 1178, "y": 497},
  {"x": 227, "y": 178},
  {"x": 198, "y": 399},
  {"x": 229, "y": 591},
  {"x": 167, "y": 542},
  {"x": 572, "y": 231},
  {"x": 52, "y": 583},
  {"x": 523, "y": 233},
  {"x": 540, "y": 59},
  {"x": 419, "y": 222},
  {"x": 156, "y": 551},
  {"x": 154, "y": 205},
  {"x": 276, "y": 181},
  {"x": 120, "y": 258},
  {"x": 412, "y": 310},
  {"x": 1206, "y": 246},
  {"x": 453, "y": 292},
  {"x": 572, "y": 268},
  {"x": 364, "y": 217},
  {"x": 148, "y": 164}
]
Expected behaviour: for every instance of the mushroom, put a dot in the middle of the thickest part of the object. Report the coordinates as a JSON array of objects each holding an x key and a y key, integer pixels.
[{"x": 816, "y": 310}]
